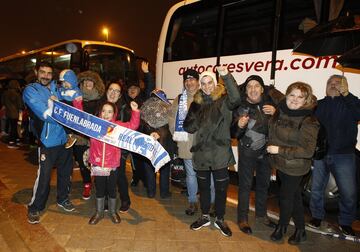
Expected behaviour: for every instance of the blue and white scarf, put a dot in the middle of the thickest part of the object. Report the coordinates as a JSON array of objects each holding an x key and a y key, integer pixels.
[
  {"x": 180, "y": 134},
  {"x": 108, "y": 132}
]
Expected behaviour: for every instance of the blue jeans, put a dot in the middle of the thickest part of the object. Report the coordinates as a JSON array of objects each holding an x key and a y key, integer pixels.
[
  {"x": 343, "y": 168},
  {"x": 192, "y": 184}
]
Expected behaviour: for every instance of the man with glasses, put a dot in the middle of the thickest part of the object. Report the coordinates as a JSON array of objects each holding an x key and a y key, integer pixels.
[{"x": 52, "y": 138}]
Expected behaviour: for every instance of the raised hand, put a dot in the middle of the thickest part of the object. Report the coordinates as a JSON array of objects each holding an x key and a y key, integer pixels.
[
  {"x": 145, "y": 66},
  {"x": 222, "y": 70},
  {"x": 134, "y": 106}
]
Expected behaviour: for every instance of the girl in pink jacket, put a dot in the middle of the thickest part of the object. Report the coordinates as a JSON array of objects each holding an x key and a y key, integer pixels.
[{"x": 104, "y": 159}]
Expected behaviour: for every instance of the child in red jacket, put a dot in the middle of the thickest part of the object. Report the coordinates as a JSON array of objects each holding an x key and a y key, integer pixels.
[{"x": 104, "y": 159}]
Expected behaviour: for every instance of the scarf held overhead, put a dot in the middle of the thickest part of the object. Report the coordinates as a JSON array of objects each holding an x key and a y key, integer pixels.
[
  {"x": 180, "y": 134},
  {"x": 110, "y": 133}
]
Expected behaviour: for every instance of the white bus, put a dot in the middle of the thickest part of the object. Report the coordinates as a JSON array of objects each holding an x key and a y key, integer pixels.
[
  {"x": 113, "y": 62},
  {"x": 239, "y": 34}
]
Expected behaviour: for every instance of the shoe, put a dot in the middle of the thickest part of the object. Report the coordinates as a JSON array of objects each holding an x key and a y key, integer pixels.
[
  {"x": 244, "y": 227},
  {"x": 298, "y": 237},
  {"x": 87, "y": 191},
  {"x": 223, "y": 227},
  {"x": 203, "y": 221},
  {"x": 266, "y": 221},
  {"x": 125, "y": 205},
  {"x": 134, "y": 183},
  {"x": 347, "y": 230},
  {"x": 34, "y": 217},
  {"x": 278, "y": 233},
  {"x": 151, "y": 195},
  {"x": 192, "y": 209},
  {"x": 165, "y": 195},
  {"x": 66, "y": 205},
  {"x": 314, "y": 223},
  {"x": 12, "y": 145},
  {"x": 99, "y": 214},
  {"x": 115, "y": 218},
  {"x": 70, "y": 141}
]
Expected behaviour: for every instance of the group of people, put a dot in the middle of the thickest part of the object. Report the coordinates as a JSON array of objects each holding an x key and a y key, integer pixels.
[{"x": 273, "y": 130}]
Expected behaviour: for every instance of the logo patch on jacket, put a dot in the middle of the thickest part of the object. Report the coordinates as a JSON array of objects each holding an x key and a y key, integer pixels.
[{"x": 42, "y": 157}]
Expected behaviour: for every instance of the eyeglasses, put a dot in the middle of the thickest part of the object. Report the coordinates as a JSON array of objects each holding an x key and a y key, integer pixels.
[{"x": 114, "y": 90}]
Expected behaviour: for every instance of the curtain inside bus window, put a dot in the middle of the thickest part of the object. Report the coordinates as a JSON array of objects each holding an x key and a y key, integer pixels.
[
  {"x": 294, "y": 14},
  {"x": 248, "y": 27},
  {"x": 192, "y": 33},
  {"x": 113, "y": 64}
]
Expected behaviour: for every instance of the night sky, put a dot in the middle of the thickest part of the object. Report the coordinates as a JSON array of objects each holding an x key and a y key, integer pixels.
[{"x": 27, "y": 25}]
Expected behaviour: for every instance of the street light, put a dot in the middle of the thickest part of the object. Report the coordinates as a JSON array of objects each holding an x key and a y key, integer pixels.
[{"x": 105, "y": 31}]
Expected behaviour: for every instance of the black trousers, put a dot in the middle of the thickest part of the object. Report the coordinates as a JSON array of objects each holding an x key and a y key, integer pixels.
[
  {"x": 13, "y": 135},
  {"x": 78, "y": 154},
  {"x": 290, "y": 198},
  {"x": 138, "y": 168},
  {"x": 60, "y": 158},
  {"x": 106, "y": 185},
  {"x": 151, "y": 178},
  {"x": 122, "y": 182},
  {"x": 247, "y": 166},
  {"x": 221, "y": 183}
]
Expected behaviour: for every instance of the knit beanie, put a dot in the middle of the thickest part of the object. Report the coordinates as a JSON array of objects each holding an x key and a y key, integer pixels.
[{"x": 207, "y": 73}]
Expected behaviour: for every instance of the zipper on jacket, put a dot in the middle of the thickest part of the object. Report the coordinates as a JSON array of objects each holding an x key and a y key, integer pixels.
[
  {"x": 103, "y": 156},
  {"x": 47, "y": 130}
]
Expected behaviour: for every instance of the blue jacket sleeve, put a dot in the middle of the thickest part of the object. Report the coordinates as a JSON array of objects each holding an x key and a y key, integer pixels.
[{"x": 36, "y": 103}]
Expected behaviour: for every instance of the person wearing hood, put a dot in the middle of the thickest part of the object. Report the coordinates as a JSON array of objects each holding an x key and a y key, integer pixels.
[
  {"x": 209, "y": 118},
  {"x": 69, "y": 92},
  {"x": 250, "y": 128},
  {"x": 12, "y": 103},
  {"x": 293, "y": 132},
  {"x": 105, "y": 159},
  {"x": 92, "y": 89}
]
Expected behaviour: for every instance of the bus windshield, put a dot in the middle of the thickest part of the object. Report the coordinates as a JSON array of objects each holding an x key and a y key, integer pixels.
[{"x": 113, "y": 64}]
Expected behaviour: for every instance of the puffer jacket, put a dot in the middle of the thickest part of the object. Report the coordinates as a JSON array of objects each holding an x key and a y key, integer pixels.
[
  {"x": 106, "y": 155},
  {"x": 183, "y": 146},
  {"x": 209, "y": 117},
  {"x": 295, "y": 132}
]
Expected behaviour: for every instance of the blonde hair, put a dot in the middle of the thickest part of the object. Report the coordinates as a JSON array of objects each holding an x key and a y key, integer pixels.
[{"x": 306, "y": 91}]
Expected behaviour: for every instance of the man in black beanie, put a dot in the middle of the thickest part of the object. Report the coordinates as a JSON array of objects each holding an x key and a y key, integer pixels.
[{"x": 250, "y": 127}]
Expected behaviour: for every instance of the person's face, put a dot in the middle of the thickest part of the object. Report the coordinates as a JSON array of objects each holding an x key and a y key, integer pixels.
[
  {"x": 66, "y": 85},
  {"x": 88, "y": 85},
  {"x": 207, "y": 85},
  {"x": 107, "y": 112},
  {"x": 295, "y": 99},
  {"x": 191, "y": 85},
  {"x": 254, "y": 91},
  {"x": 44, "y": 75},
  {"x": 113, "y": 93},
  {"x": 333, "y": 86},
  {"x": 133, "y": 91}
]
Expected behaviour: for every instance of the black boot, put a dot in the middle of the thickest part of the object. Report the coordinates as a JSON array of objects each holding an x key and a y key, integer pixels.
[
  {"x": 114, "y": 216},
  {"x": 99, "y": 214},
  {"x": 298, "y": 237},
  {"x": 278, "y": 233}
]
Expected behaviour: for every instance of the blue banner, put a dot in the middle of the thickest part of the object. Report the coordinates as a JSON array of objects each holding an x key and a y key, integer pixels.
[{"x": 110, "y": 133}]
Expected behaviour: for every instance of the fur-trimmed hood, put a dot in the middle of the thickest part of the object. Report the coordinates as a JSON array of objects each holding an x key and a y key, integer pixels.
[
  {"x": 218, "y": 92},
  {"x": 93, "y": 76}
]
